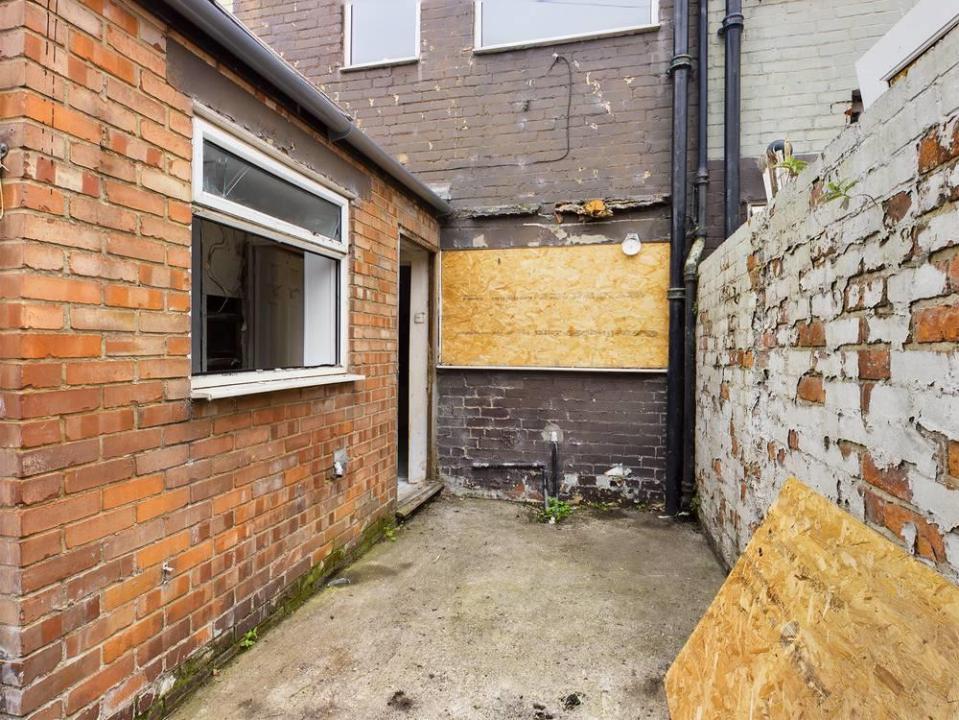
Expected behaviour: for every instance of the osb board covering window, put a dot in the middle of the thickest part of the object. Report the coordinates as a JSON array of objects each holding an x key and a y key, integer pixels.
[
  {"x": 585, "y": 306},
  {"x": 822, "y": 618}
]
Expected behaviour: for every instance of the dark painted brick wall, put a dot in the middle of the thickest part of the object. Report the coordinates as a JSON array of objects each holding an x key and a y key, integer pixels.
[
  {"x": 604, "y": 419},
  {"x": 454, "y": 114},
  {"x": 484, "y": 124}
]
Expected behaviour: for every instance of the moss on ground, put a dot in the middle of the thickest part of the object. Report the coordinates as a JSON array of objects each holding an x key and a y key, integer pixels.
[{"x": 199, "y": 667}]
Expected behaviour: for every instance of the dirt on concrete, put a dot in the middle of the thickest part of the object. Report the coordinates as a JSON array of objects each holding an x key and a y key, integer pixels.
[{"x": 476, "y": 611}]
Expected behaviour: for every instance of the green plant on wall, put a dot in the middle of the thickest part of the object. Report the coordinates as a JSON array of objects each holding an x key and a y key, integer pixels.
[
  {"x": 838, "y": 190},
  {"x": 793, "y": 164}
]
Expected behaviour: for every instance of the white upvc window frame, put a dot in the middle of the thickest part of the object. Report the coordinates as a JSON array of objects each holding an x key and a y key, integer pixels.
[
  {"x": 479, "y": 48},
  {"x": 348, "y": 63},
  {"x": 917, "y": 31},
  {"x": 219, "y": 209}
]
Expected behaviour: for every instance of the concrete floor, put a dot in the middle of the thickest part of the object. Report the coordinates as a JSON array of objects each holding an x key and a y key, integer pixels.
[{"x": 477, "y": 612}]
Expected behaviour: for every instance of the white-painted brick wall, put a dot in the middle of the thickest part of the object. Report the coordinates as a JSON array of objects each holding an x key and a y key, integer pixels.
[
  {"x": 798, "y": 68},
  {"x": 828, "y": 332}
]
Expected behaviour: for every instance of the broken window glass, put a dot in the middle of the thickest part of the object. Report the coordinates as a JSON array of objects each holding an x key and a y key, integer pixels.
[
  {"x": 232, "y": 178},
  {"x": 516, "y": 22}
]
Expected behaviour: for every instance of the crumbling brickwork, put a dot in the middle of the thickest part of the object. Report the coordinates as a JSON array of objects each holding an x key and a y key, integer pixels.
[
  {"x": 829, "y": 327},
  {"x": 143, "y": 533}
]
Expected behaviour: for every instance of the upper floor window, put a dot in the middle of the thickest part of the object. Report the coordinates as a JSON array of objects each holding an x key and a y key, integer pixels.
[
  {"x": 269, "y": 300},
  {"x": 381, "y": 32},
  {"x": 520, "y": 23}
]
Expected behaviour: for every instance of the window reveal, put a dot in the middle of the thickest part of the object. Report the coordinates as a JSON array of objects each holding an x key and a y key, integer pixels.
[{"x": 269, "y": 261}]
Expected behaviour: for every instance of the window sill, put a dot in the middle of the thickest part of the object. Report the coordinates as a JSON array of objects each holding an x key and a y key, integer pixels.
[
  {"x": 256, "y": 387},
  {"x": 507, "y": 47},
  {"x": 379, "y": 64}
]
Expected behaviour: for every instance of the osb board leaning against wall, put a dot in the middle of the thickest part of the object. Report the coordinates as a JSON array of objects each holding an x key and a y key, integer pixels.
[
  {"x": 822, "y": 618},
  {"x": 583, "y": 306}
]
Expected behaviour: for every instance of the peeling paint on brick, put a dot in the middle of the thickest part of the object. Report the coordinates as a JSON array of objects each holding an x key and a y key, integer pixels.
[{"x": 861, "y": 387}]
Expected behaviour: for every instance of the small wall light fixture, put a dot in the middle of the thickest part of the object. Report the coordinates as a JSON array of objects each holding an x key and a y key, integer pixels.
[{"x": 632, "y": 244}]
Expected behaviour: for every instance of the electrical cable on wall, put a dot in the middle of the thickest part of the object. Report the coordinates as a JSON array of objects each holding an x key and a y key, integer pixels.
[{"x": 569, "y": 109}]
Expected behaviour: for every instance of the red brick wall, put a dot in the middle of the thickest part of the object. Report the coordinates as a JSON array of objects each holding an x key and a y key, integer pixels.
[{"x": 138, "y": 527}]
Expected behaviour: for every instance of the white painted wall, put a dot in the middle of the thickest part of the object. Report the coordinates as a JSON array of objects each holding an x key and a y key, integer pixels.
[
  {"x": 798, "y": 68},
  {"x": 863, "y": 274},
  {"x": 922, "y": 26}
]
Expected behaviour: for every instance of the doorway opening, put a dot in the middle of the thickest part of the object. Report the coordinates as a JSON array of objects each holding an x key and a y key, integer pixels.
[
  {"x": 403, "y": 382},
  {"x": 413, "y": 367}
]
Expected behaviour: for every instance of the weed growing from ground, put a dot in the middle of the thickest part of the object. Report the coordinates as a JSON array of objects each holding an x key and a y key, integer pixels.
[
  {"x": 555, "y": 511},
  {"x": 249, "y": 639}
]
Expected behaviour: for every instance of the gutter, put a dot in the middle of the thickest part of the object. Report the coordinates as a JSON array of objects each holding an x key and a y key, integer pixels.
[{"x": 230, "y": 34}]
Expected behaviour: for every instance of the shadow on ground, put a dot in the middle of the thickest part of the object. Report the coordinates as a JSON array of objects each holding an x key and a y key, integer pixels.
[{"x": 477, "y": 612}]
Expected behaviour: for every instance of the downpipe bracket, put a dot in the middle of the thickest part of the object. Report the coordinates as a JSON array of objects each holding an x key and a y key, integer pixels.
[
  {"x": 683, "y": 61},
  {"x": 733, "y": 20},
  {"x": 676, "y": 293}
]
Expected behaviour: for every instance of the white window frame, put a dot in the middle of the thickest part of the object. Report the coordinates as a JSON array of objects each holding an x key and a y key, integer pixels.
[
  {"x": 916, "y": 32},
  {"x": 348, "y": 63},
  {"x": 216, "y": 208},
  {"x": 479, "y": 47}
]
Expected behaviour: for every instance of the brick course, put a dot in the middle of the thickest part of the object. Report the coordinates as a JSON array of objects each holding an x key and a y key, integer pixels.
[
  {"x": 798, "y": 69},
  {"x": 139, "y": 529},
  {"x": 849, "y": 308},
  {"x": 604, "y": 419},
  {"x": 480, "y": 121}
]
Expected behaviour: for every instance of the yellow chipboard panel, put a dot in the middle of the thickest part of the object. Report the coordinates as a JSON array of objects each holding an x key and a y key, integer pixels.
[
  {"x": 822, "y": 618},
  {"x": 584, "y": 306}
]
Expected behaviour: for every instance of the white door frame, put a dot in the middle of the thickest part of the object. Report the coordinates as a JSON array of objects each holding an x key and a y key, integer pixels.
[{"x": 419, "y": 360}]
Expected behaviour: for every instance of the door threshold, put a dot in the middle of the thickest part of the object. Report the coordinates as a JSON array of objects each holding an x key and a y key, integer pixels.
[{"x": 410, "y": 504}]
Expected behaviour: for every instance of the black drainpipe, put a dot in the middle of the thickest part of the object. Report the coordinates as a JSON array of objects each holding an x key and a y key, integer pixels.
[
  {"x": 732, "y": 31},
  {"x": 691, "y": 270},
  {"x": 680, "y": 67}
]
